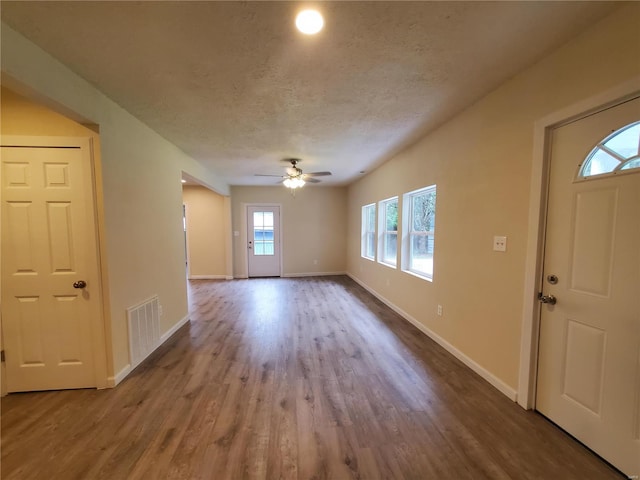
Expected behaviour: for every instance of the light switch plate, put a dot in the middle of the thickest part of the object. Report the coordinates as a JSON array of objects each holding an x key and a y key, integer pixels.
[{"x": 500, "y": 244}]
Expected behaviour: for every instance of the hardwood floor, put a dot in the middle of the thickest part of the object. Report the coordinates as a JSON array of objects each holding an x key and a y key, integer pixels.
[{"x": 289, "y": 379}]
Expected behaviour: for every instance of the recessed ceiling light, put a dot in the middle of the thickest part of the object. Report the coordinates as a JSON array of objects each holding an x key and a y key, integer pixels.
[
  {"x": 309, "y": 22},
  {"x": 183, "y": 181}
]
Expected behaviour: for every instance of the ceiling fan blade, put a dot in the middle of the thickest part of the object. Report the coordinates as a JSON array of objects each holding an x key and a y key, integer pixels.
[
  {"x": 318, "y": 174},
  {"x": 263, "y": 175},
  {"x": 312, "y": 180}
]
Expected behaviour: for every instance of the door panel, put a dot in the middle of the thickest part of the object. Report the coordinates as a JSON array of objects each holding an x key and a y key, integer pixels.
[
  {"x": 592, "y": 245},
  {"x": 584, "y": 364},
  {"x": 589, "y": 352},
  {"x": 48, "y": 243},
  {"x": 263, "y": 232}
]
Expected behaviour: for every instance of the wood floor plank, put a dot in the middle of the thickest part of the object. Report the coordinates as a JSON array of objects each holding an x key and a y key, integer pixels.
[{"x": 307, "y": 378}]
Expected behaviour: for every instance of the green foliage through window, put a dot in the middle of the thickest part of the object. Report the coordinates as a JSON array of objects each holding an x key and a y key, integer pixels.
[
  {"x": 424, "y": 212},
  {"x": 391, "y": 215},
  {"x": 368, "y": 247},
  {"x": 419, "y": 231},
  {"x": 388, "y": 232}
]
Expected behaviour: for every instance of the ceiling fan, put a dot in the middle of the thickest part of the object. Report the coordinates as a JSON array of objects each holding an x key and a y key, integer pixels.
[{"x": 295, "y": 178}]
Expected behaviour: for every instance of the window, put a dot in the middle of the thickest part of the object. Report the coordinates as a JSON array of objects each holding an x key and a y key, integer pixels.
[
  {"x": 263, "y": 233},
  {"x": 388, "y": 231},
  {"x": 619, "y": 151},
  {"x": 368, "y": 248},
  {"x": 419, "y": 231}
]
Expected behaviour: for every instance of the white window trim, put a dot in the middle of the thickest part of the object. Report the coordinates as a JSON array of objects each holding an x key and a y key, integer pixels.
[
  {"x": 407, "y": 200},
  {"x": 382, "y": 220},
  {"x": 364, "y": 232}
]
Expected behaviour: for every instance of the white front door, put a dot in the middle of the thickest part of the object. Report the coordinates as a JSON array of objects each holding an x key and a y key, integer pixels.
[
  {"x": 589, "y": 351},
  {"x": 48, "y": 245},
  {"x": 263, "y": 241}
]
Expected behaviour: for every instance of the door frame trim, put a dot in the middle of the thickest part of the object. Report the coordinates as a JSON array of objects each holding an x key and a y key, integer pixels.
[
  {"x": 187, "y": 252},
  {"x": 99, "y": 331},
  {"x": 244, "y": 235},
  {"x": 537, "y": 225}
]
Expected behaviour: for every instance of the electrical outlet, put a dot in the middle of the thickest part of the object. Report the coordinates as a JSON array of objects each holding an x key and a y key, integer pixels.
[
  {"x": 500, "y": 244},
  {"x": 315, "y": 262},
  {"x": 439, "y": 310}
]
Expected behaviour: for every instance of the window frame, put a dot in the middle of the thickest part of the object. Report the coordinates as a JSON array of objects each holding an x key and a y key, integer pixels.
[
  {"x": 383, "y": 232},
  {"x": 408, "y": 233},
  {"x": 365, "y": 232},
  {"x": 260, "y": 246},
  {"x": 619, "y": 169}
]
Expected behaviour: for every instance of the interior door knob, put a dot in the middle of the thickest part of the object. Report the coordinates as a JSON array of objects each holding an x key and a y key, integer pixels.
[
  {"x": 550, "y": 299},
  {"x": 79, "y": 284}
]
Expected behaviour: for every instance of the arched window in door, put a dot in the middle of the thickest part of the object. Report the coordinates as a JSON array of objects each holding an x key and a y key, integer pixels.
[{"x": 617, "y": 152}]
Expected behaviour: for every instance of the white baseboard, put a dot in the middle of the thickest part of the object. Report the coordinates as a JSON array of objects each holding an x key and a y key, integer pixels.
[
  {"x": 296, "y": 275},
  {"x": 311, "y": 274},
  {"x": 118, "y": 377},
  {"x": 122, "y": 374},
  {"x": 165, "y": 336},
  {"x": 505, "y": 389},
  {"x": 209, "y": 277}
]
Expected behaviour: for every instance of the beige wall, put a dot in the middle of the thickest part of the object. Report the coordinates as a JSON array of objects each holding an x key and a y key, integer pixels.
[
  {"x": 314, "y": 224},
  {"x": 207, "y": 232},
  {"x": 141, "y": 175},
  {"x": 481, "y": 162}
]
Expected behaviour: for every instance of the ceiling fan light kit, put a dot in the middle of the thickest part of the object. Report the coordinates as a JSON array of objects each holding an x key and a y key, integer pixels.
[
  {"x": 295, "y": 178},
  {"x": 293, "y": 182}
]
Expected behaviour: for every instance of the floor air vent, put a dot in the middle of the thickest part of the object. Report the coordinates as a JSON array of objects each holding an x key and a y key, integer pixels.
[{"x": 144, "y": 329}]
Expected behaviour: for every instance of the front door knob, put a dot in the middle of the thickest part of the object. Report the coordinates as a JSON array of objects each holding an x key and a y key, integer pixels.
[{"x": 79, "y": 284}]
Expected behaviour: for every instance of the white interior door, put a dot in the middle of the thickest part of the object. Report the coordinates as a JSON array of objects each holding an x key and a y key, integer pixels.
[
  {"x": 589, "y": 352},
  {"x": 48, "y": 245},
  {"x": 263, "y": 241}
]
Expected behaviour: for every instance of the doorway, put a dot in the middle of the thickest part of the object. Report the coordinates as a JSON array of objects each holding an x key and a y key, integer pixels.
[
  {"x": 588, "y": 379},
  {"x": 52, "y": 321},
  {"x": 263, "y": 241}
]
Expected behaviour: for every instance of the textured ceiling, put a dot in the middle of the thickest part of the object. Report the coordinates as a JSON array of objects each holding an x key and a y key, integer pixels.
[{"x": 236, "y": 87}]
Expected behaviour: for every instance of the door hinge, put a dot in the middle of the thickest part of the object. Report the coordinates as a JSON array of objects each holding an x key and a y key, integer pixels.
[{"x": 1, "y": 355}]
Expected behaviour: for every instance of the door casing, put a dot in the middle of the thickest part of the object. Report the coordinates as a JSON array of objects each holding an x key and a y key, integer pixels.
[
  {"x": 536, "y": 226},
  {"x": 187, "y": 252},
  {"x": 98, "y": 325}
]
